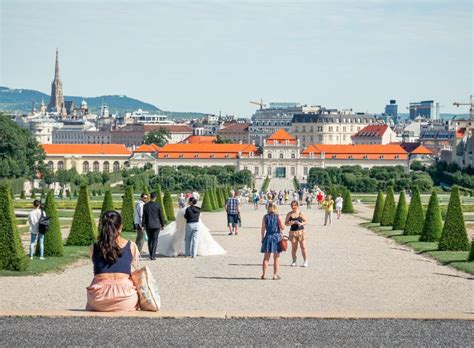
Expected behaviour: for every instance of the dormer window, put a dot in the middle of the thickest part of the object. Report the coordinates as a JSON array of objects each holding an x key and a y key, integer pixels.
[
  {"x": 397, "y": 157},
  {"x": 349, "y": 157},
  {"x": 381, "y": 157},
  {"x": 166, "y": 155},
  {"x": 181, "y": 156},
  {"x": 196, "y": 155},
  {"x": 334, "y": 156},
  {"x": 365, "y": 157}
]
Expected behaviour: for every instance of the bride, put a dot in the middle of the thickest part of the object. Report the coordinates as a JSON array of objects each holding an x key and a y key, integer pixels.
[{"x": 171, "y": 239}]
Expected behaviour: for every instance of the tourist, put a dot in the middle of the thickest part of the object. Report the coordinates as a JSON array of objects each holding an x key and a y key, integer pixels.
[
  {"x": 271, "y": 233},
  {"x": 181, "y": 201},
  {"x": 191, "y": 239},
  {"x": 319, "y": 198},
  {"x": 112, "y": 289},
  {"x": 153, "y": 222},
  {"x": 296, "y": 220},
  {"x": 256, "y": 199},
  {"x": 287, "y": 194},
  {"x": 339, "y": 203},
  {"x": 280, "y": 198},
  {"x": 33, "y": 221},
  {"x": 328, "y": 205},
  {"x": 300, "y": 195},
  {"x": 308, "y": 200},
  {"x": 232, "y": 207},
  {"x": 137, "y": 220}
]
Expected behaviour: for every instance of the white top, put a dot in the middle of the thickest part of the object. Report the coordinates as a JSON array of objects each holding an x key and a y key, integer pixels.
[
  {"x": 339, "y": 201},
  {"x": 33, "y": 220},
  {"x": 138, "y": 212}
]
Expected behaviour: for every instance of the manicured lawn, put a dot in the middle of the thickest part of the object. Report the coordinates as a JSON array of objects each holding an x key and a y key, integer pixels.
[
  {"x": 51, "y": 264},
  {"x": 456, "y": 259}
]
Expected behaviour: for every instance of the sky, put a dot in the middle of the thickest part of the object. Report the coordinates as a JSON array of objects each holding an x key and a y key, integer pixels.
[{"x": 207, "y": 56}]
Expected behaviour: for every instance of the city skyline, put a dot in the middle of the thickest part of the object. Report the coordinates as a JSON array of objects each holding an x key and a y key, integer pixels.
[{"x": 204, "y": 82}]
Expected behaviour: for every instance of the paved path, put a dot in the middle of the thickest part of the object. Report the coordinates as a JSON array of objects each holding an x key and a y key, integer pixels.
[
  {"x": 351, "y": 270},
  {"x": 24, "y": 332}
]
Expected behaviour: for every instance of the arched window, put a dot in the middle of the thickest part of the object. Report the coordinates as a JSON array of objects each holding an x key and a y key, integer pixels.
[
  {"x": 116, "y": 166},
  {"x": 51, "y": 165},
  {"x": 60, "y": 165},
  {"x": 106, "y": 167},
  {"x": 85, "y": 167},
  {"x": 293, "y": 155},
  {"x": 95, "y": 166},
  {"x": 281, "y": 156}
]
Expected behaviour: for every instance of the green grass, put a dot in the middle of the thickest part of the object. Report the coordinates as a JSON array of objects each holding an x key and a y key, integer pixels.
[
  {"x": 455, "y": 259},
  {"x": 52, "y": 264}
]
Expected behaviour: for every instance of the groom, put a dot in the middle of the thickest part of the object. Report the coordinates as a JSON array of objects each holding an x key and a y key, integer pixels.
[{"x": 153, "y": 222}]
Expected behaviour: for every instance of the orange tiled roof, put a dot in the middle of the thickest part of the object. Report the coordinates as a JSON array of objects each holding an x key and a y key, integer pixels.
[
  {"x": 85, "y": 149},
  {"x": 281, "y": 136},
  {"x": 421, "y": 150},
  {"x": 147, "y": 148},
  {"x": 372, "y": 130},
  {"x": 391, "y": 151},
  {"x": 199, "y": 139},
  {"x": 206, "y": 150}
]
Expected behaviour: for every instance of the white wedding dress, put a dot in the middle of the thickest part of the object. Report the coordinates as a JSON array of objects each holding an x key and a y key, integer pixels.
[{"x": 171, "y": 239}]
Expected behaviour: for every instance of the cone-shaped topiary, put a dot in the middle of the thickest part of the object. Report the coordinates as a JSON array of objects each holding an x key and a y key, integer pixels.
[
  {"x": 75, "y": 193},
  {"x": 213, "y": 199},
  {"x": 107, "y": 205},
  {"x": 100, "y": 192},
  {"x": 146, "y": 190},
  {"x": 471, "y": 254},
  {"x": 415, "y": 217},
  {"x": 61, "y": 193},
  {"x": 12, "y": 255},
  {"x": 53, "y": 240},
  {"x": 168, "y": 204},
  {"x": 454, "y": 235},
  {"x": 94, "y": 193},
  {"x": 43, "y": 194},
  {"x": 159, "y": 199},
  {"x": 388, "y": 213},
  {"x": 433, "y": 225},
  {"x": 68, "y": 194},
  {"x": 33, "y": 193},
  {"x": 221, "y": 197},
  {"x": 127, "y": 210},
  {"x": 83, "y": 229},
  {"x": 22, "y": 194},
  {"x": 401, "y": 213},
  {"x": 378, "y": 208},
  {"x": 347, "y": 207},
  {"x": 206, "y": 202}
]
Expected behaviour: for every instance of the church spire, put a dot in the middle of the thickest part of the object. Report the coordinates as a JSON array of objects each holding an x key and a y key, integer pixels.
[
  {"x": 56, "y": 68},
  {"x": 56, "y": 103}
]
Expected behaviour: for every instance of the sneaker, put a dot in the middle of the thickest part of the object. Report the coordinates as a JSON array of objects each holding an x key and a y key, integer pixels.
[
  {"x": 31, "y": 257},
  {"x": 293, "y": 264},
  {"x": 305, "y": 264},
  {"x": 41, "y": 258}
]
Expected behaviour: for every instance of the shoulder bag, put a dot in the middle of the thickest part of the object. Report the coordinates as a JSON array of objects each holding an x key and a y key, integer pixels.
[{"x": 148, "y": 295}]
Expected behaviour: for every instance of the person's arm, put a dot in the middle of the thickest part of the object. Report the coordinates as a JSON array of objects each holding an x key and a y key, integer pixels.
[
  {"x": 145, "y": 217},
  {"x": 238, "y": 206},
  {"x": 262, "y": 230},
  {"x": 135, "y": 254},
  {"x": 303, "y": 217},
  {"x": 162, "y": 219},
  {"x": 91, "y": 251},
  {"x": 287, "y": 220},
  {"x": 280, "y": 224}
]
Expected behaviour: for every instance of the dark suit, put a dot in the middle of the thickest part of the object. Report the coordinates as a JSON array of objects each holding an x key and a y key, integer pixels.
[{"x": 153, "y": 222}]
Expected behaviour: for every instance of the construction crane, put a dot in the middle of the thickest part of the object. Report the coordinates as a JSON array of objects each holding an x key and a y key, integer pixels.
[
  {"x": 260, "y": 103},
  {"x": 471, "y": 107}
]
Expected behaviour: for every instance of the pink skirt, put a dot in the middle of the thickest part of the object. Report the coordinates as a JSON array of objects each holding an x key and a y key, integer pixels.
[{"x": 112, "y": 295}]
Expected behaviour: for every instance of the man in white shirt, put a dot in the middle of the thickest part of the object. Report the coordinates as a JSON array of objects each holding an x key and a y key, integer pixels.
[
  {"x": 33, "y": 220},
  {"x": 137, "y": 220}
]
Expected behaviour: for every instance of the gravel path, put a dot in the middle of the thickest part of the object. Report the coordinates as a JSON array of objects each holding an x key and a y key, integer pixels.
[{"x": 350, "y": 270}]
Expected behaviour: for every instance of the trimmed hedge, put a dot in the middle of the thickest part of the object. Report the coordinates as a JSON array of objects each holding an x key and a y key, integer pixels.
[
  {"x": 83, "y": 228},
  {"x": 401, "y": 213},
  {"x": 12, "y": 255},
  {"x": 433, "y": 226},
  {"x": 415, "y": 217},
  {"x": 127, "y": 210},
  {"x": 168, "y": 206},
  {"x": 107, "y": 205},
  {"x": 206, "y": 202},
  {"x": 159, "y": 199},
  {"x": 388, "y": 214},
  {"x": 53, "y": 240},
  {"x": 347, "y": 207},
  {"x": 454, "y": 235},
  {"x": 22, "y": 194},
  {"x": 471, "y": 254},
  {"x": 378, "y": 208}
]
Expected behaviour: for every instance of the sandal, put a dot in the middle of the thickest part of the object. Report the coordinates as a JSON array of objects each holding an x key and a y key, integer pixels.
[
  {"x": 262, "y": 277},
  {"x": 276, "y": 277}
]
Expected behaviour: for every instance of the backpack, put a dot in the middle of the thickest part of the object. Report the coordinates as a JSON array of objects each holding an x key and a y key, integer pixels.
[{"x": 43, "y": 223}]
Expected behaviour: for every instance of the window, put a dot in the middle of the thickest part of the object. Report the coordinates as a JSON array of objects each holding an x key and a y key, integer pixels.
[
  {"x": 349, "y": 157},
  {"x": 255, "y": 170},
  {"x": 181, "y": 155},
  {"x": 269, "y": 155},
  {"x": 281, "y": 156},
  {"x": 212, "y": 155},
  {"x": 227, "y": 155},
  {"x": 381, "y": 157},
  {"x": 85, "y": 167},
  {"x": 305, "y": 171},
  {"x": 365, "y": 157},
  {"x": 293, "y": 155},
  {"x": 330, "y": 128},
  {"x": 95, "y": 166},
  {"x": 166, "y": 155},
  {"x": 293, "y": 171},
  {"x": 106, "y": 167},
  {"x": 51, "y": 165},
  {"x": 196, "y": 155},
  {"x": 333, "y": 156},
  {"x": 116, "y": 166},
  {"x": 60, "y": 165},
  {"x": 397, "y": 157}
]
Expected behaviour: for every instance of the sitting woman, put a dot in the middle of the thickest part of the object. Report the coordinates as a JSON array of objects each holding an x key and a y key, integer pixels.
[{"x": 112, "y": 289}]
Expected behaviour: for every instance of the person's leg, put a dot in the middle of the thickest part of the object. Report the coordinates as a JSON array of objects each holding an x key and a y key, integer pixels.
[
  {"x": 187, "y": 241},
  {"x": 276, "y": 265},
  {"x": 229, "y": 223},
  {"x": 32, "y": 244},
  {"x": 326, "y": 217},
  {"x": 194, "y": 240},
  {"x": 140, "y": 238},
  {"x": 41, "y": 244},
  {"x": 156, "y": 233},
  {"x": 330, "y": 218},
  {"x": 294, "y": 250},
  {"x": 266, "y": 259},
  {"x": 149, "y": 233},
  {"x": 304, "y": 250},
  {"x": 236, "y": 224}
]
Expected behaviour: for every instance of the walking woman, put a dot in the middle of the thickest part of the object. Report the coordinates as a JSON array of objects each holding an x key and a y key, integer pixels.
[
  {"x": 328, "y": 205},
  {"x": 296, "y": 220},
  {"x": 272, "y": 230},
  {"x": 112, "y": 289}
]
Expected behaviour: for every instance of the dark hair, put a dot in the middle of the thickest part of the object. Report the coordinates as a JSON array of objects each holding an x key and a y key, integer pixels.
[
  {"x": 36, "y": 203},
  {"x": 192, "y": 200},
  {"x": 153, "y": 195},
  {"x": 294, "y": 202},
  {"x": 109, "y": 231},
  {"x": 143, "y": 195}
]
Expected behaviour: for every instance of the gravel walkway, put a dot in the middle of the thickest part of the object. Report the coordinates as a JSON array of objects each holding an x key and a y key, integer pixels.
[{"x": 350, "y": 270}]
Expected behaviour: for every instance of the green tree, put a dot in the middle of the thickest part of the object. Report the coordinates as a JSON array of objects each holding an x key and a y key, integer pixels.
[
  {"x": 61, "y": 194},
  {"x": 83, "y": 228},
  {"x": 159, "y": 199},
  {"x": 145, "y": 190},
  {"x": 401, "y": 213},
  {"x": 388, "y": 213},
  {"x": 127, "y": 210},
  {"x": 53, "y": 240},
  {"x": 22, "y": 194},
  {"x": 107, "y": 205},
  {"x": 43, "y": 194},
  {"x": 75, "y": 194},
  {"x": 454, "y": 235},
  {"x": 158, "y": 137},
  {"x": 12, "y": 255},
  {"x": 220, "y": 197},
  {"x": 415, "y": 218},
  {"x": 215, "y": 205},
  {"x": 378, "y": 208},
  {"x": 433, "y": 225},
  {"x": 206, "y": 202},
  {"x": 347, "y": 207},
  {"x": 168, "y": 206},
  {"x": 33, "y": 193}
]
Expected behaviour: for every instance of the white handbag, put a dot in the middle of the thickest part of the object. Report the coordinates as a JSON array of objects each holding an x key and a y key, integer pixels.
[{"x": 148, "y": 295}]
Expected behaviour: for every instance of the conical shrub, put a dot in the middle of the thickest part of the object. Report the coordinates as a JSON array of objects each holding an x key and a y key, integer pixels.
[
  {"x": 127, "y": 210},
  {"x": 75, "y": 193},
  {"x": 401, "y": 213},
  {"x": 415, "y": 218},
  {"x": 107, "y": 205},
  {"x": 159, "y": 199},
  {"x": 347, "y": 207},
  {"x": 454, "y": 235},
  {"x": 33, "y": 193},
  {"x": 471, "y": 254},
  {"x": 206, "y": 202},
  {"x": 145, "y": 190},
  {"x": 53, "y": 240},
  {"x": 433, "y": 226},
  {"x": 168, "y": 206},
  {"x": 378, "y": 208},
  {"x": 22, "y": 194},
  {"x": 12, "y": 255},
  {"x": 388, "y": 213},
  {"x": 213, "y": 200},
  {"x": 83, "y": 229}
]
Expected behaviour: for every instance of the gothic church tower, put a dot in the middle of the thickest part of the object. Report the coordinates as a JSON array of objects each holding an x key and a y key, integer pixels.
[{"x": 56, "y": 103}]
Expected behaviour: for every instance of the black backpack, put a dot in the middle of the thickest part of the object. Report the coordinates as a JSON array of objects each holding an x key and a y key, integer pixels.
[{"x": 43, "y": 223}]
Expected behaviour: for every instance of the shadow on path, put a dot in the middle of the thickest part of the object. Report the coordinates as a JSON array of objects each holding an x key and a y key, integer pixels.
[{"x": 230, "y": 278}]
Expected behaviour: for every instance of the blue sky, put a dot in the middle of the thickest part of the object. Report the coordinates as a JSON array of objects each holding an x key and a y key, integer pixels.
[{"x": 218, "y": 55}]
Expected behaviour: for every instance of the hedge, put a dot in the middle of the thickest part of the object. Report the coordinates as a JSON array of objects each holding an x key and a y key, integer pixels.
[
  {"x": 388, "y": 213},
  {"x": 378, "y": 208},
  {"x": 168, "y": 206},
  {"x": 127, "y": 210},
  {"x": 83, "y": 228},
  {"x": 347, "y": 207},
  {"x": 206, "y": 202},
  {"x": 53, "y": 239},
  {"x": 433, "y": 226},
  {"x": 107, "y": 205},
  {"x": 454, "y": 235},
  {"x": 401, "y": 213},
  {"x": 415, "y": 218},
  {"x": 159, "y": 199}
]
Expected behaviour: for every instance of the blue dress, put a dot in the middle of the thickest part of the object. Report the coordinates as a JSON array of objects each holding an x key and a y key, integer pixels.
[{"x": 271, "y": 241}]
